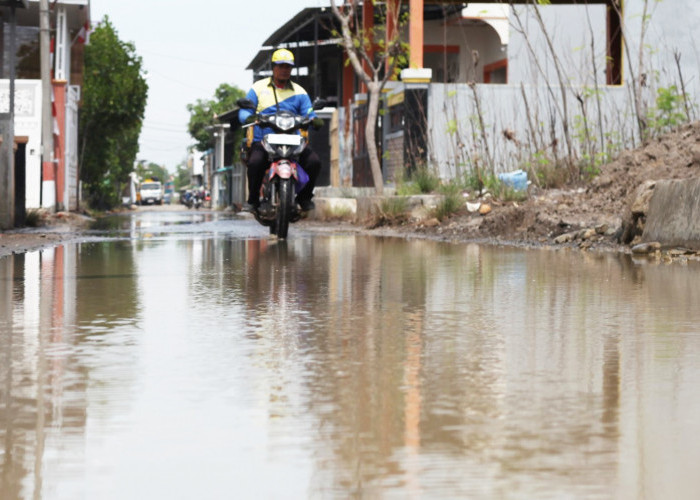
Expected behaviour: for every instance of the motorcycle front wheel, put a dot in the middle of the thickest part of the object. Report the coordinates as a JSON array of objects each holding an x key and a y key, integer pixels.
[{"x": 285, "y": 207}]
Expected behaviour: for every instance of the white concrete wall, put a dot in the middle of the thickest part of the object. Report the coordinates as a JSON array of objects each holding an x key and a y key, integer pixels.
[
  {"x": 197, "y": 164},
  {"x": 569, "y": 28},
  {"x": 455, "y": 140},
  {"x": 673, "y": 27},
  {"x": 27, "y": 123}
]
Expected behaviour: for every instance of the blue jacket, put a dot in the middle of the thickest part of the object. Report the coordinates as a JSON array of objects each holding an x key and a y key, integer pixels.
[{"x": 291, "y": 98}]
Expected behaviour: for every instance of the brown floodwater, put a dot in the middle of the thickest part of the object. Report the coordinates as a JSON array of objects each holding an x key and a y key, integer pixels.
[{"x": 220, "y": 364}]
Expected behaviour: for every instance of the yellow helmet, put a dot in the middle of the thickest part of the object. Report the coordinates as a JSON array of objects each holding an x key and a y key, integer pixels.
[{"x": 282, "y": 56}]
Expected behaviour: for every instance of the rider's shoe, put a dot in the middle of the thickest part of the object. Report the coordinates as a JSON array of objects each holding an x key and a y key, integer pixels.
[
  {"x": 266, "y": 209},
  {"x": 306, "y": 205},
  {"x": 250, "y": 207}
]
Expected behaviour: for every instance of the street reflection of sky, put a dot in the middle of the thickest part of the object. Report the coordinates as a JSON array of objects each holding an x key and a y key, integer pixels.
[
  {"x": 170, "y": 222},
  {"x": 205, "y": 365}
]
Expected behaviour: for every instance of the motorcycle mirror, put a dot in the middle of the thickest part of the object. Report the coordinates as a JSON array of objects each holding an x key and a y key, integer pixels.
[
  {"x": 319, "y": 103},
  {"x": 244, "y": 103}
]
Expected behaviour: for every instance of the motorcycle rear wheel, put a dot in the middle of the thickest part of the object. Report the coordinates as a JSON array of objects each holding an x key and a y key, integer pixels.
[{"x": 285, "y": 207}]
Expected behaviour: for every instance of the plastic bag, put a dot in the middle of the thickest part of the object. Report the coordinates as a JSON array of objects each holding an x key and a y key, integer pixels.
[{"x": 302, "y": 178}]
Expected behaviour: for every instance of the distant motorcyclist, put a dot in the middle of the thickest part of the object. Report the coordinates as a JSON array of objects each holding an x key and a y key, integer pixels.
[
  {"x": 194, "y": 197},
  {"x": 186, "y": 197},
  {"x": 268, "y": 95}
]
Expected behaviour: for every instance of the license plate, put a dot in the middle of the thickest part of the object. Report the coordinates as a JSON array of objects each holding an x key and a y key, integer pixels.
[{"x": 284, "y": 139}]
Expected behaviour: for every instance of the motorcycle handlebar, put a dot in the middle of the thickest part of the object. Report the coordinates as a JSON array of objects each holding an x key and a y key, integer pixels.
[{"x": 260, "y": 120}]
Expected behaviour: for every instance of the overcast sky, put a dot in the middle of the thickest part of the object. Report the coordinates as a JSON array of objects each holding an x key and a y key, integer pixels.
[{"x": 188, "y": 50}]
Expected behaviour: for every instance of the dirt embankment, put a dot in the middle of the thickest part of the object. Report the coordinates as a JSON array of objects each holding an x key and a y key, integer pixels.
[
  {"x": 591, "y": 216},
  {"x": 52, "y": 230}
]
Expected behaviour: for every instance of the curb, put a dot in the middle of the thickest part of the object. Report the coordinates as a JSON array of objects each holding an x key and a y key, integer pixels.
[{"x": 354, "y": 209}]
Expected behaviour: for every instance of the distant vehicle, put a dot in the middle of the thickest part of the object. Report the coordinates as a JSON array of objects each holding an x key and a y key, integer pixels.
[
  {"x": 150, "y": 192},
  {"x": 194, "y": 198}
]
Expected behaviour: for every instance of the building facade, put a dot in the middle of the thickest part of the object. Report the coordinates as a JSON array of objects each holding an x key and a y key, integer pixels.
[
  {"x": 43, "y": 181},
  {"x": 501, "y": 85}
]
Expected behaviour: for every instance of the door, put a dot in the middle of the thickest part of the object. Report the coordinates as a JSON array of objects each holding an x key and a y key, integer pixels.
[{"x": 20, "y": 183}]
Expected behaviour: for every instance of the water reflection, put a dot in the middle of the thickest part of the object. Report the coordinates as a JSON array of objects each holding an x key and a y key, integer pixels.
[
  {"x": 346, "y": 366},
  {"x": 161, "y": 223},
  {"x": 47, "y": 305}
]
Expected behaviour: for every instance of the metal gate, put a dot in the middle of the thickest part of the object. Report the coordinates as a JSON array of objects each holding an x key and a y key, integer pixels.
[
  {"x": 405, "y": 132},
  {"x": 415, "y": 125},
  {"x": 393, "y": 165}
]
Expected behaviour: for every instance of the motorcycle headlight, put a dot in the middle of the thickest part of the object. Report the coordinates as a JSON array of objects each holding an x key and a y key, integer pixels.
[{"x": 285, "y": 122}]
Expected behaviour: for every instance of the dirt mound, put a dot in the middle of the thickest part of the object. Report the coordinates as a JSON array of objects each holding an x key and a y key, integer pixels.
[
  {"x": 588, "y": 216},
  {"x": 49, "y": 229}
]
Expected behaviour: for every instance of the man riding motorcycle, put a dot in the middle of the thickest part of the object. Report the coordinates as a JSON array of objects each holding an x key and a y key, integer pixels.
[{"x": 269, "y": 95}]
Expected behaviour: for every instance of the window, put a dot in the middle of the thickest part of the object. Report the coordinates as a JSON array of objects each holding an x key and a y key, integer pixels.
[
  {"x": 496, "y": 72},
  {"x": 437, "y": 57}
]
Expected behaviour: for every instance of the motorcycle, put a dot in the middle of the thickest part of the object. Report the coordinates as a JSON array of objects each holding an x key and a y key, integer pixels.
[
  {"x": 193, "y": 200},
  {"x": 284, "y": 177}
]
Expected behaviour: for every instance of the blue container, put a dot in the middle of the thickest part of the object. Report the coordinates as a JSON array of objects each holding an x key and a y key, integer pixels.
[{"x": 516, "y": 179}]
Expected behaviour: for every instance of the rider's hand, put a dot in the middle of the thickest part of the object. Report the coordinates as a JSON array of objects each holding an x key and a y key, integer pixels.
[{"x": 317, "y": 123}]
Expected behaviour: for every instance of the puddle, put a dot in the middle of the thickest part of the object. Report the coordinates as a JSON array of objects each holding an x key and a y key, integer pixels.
[{"x": 343, "y": 366}]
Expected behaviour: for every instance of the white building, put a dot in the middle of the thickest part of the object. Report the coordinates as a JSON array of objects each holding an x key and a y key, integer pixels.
[{"x": 50, "y": 181}]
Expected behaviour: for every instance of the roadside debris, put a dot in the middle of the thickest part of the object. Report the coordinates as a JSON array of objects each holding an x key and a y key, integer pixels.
[{"x": 516, "y": 179}]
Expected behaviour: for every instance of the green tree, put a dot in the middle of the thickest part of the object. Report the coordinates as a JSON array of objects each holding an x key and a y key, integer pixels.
[
  {"x": 182, "y": 176},
  {"x": 152, "y": 170},
  {"x": 114, "y": 101},
  {"x": 203, "y": 114},
  {"x": 375, "y": 62}
]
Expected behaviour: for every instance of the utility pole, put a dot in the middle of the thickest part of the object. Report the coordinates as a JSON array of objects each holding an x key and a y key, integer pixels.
[{"x": 48, "y": 167}]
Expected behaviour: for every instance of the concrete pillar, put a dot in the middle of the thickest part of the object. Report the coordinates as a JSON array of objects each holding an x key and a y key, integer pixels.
[
  {"x": 415, "y": 38},
  {"x": 48, "y": 185}
]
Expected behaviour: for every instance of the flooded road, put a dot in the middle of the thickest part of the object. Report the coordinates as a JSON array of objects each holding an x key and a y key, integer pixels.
[{"x": 185, "y": 355}]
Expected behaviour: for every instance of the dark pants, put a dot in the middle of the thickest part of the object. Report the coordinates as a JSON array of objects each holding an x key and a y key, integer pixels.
[{"x": 258, "y": 162}]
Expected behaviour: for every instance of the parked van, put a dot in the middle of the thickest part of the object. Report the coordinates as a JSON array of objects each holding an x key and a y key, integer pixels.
[{"x": 150, "y": 192}]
